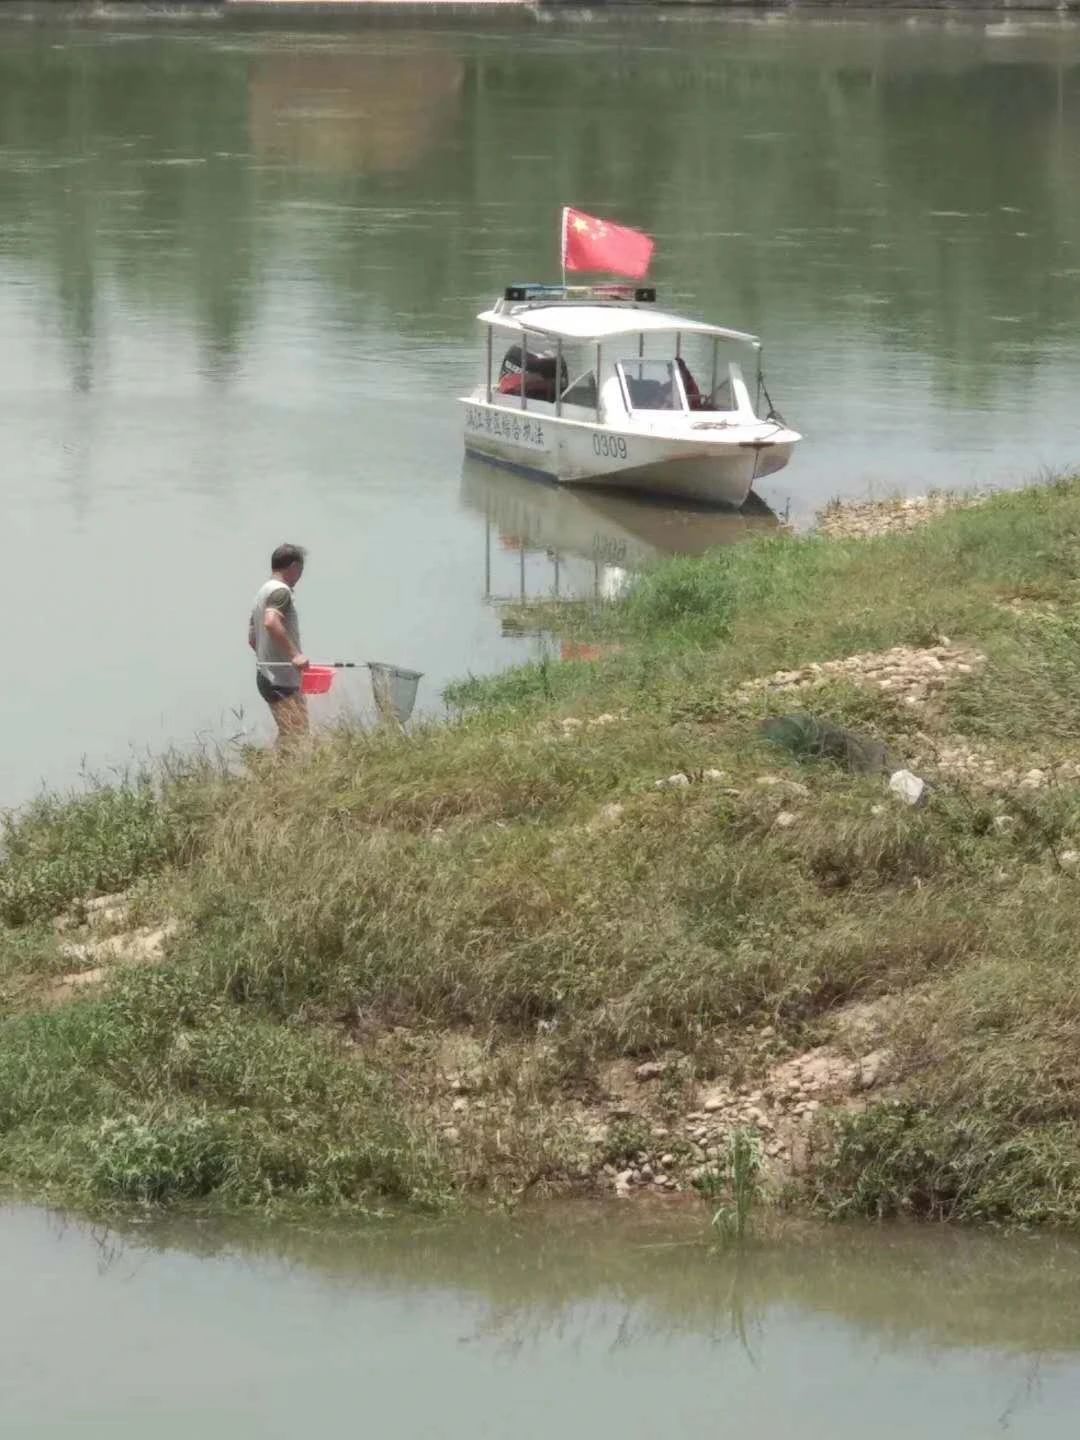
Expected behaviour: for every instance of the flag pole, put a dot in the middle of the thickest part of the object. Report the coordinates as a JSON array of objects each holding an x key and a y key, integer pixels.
[{"x": 562, "y": 247}]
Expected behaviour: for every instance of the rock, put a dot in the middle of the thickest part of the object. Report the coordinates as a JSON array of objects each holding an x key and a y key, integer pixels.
[
  {"x": 660, "y": 1178},
  {"x": 1004, "y": 823},
  {"x": 79, "y": 978},
  {"x": 1069, "y": 859},
  {"x": 649, "y": 1070},
  {"x": 459, "y": 1105},
  {"x": 646, "y": 1171},
  {"x": 667, "y": 1160},
  {"x": 786, "y": 819},
  {"x": 711, "y": 1104},
  {"x": 571, "y": 723},
  {"x": 870, "y": 1068},
  {"x": 451, "y": 1133},
  {"x": 1033, "y": 780},
  {"x": 908, "y": 787},
  {"x": 678, "y": 781},
  {"x": 712, "y": 774}
]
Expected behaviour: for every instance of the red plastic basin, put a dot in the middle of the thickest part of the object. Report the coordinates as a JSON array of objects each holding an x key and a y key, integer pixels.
[{"x": 316, "y": 679}]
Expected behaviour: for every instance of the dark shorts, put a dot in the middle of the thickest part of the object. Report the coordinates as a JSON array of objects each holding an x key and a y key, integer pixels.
[{"x": 273, "y": 693}]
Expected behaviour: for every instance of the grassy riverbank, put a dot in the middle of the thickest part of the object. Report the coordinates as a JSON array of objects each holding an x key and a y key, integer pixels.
[{"x": 495, "y": 956}]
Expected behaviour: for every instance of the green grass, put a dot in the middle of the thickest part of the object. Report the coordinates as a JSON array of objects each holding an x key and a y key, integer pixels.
[
  {"x": 162, "y": 1092},
  {"x": 465, "y": 877},
  {"x": 737, "y": 1187},
  {"x": 64, "y": 849}
]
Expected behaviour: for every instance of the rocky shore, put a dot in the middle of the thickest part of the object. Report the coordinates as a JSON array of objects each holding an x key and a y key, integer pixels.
[{"x": 864, "y": 519}]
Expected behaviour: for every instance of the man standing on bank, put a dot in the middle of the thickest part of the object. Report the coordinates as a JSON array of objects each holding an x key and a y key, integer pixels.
[{"x": 274, "y": 635}]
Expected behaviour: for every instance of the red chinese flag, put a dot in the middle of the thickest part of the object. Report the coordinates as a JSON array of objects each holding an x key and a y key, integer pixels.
[{"x": 592, "y": 244}]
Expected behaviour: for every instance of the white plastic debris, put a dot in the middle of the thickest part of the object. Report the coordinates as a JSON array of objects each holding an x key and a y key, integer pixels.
[{"x": 909, "y": 787}]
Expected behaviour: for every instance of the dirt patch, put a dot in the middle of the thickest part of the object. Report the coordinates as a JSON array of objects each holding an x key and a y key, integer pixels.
[{"x": 105, "y": 939}]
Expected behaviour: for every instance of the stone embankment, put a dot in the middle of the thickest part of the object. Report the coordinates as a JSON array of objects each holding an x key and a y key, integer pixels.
[
  {"x": 912, "y": 674},
  {"x": 656, "y": 1128}
]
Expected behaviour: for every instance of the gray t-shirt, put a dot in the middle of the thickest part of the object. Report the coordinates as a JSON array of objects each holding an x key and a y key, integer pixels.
[{"x": 271, "y": 658}]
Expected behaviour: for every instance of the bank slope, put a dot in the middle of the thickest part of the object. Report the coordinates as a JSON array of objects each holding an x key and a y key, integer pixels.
[{"x": 496, "y": 955}]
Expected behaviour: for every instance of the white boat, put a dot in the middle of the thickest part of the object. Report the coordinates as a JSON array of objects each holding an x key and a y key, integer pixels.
[{"x": 597, "y": 386}]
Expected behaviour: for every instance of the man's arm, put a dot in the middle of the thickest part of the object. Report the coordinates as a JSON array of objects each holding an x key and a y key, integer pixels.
[{"x": 276, "y": 627}]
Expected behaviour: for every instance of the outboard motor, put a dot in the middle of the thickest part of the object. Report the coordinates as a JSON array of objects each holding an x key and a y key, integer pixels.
[{"x": 540, "y": 373}]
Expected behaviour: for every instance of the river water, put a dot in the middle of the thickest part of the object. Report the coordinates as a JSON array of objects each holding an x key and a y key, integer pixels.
[
  {"x": 239, "y": 270},
  {"x": 573, "y": 1323}
]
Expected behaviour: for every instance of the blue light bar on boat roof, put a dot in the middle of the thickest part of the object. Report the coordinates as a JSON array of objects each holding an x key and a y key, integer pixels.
[{"x": 640, "y": 294}]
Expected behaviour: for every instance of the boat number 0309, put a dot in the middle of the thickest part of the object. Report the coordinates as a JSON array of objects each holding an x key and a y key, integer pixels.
[{"x": 612, "y": 446}]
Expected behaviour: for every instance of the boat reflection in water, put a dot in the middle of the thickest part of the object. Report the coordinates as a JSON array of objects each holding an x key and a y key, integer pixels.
[{"x": 544, "y": 541}]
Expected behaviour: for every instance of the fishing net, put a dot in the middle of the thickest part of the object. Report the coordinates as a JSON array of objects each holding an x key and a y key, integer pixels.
[
  {"x": 394, "y": 691},
  {"x": 809, "y": 738}
]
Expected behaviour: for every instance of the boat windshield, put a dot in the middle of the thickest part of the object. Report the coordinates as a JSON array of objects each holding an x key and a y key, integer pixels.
[
  {"x": 651, "y": 384},
  {"x": 679, "y": 384}
]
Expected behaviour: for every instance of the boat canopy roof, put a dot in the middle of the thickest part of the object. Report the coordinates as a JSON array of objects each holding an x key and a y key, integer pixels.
[{"x": 570, "y": 321}]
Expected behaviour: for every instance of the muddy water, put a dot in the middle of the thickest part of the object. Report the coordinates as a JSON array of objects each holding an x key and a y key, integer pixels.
[
  {"x": 239, "y": 268},
  {"x": 575, "y": 1322}
]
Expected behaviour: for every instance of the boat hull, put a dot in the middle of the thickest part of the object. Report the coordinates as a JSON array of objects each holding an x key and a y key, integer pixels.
[{"x": 713, "y": 464}]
